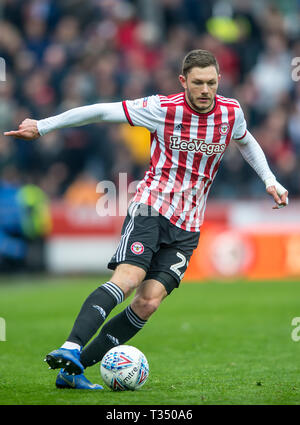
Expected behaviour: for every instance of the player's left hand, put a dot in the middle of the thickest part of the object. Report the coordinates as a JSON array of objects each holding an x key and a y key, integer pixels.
[{"x": 279, "y": 194}]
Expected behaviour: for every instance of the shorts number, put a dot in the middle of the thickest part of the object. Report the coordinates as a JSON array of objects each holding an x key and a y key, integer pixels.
[{"x": 175, "y": 267}]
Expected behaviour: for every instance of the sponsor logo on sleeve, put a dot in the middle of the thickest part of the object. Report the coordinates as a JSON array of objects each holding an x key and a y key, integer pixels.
[{"x": 140, "y": 103}]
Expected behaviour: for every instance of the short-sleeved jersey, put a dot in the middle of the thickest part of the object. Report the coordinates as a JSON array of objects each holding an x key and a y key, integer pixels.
[{"x": 186, "y": 150}]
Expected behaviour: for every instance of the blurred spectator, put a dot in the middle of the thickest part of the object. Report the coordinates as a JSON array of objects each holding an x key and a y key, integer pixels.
[
  {"x": 24, "y": 223},
  {"x": 82, "y": 191},
  {"x": 272, "y": 73}
]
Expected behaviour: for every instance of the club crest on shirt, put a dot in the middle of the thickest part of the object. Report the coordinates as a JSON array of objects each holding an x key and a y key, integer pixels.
[
  {"x": 137, "y": 248},
  {"x": 196, "y": 145},
  {"x": 224, "y": 128}
]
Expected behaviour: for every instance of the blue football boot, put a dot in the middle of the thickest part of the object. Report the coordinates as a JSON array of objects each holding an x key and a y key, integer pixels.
[
  {"x": 76, "y": 382},
  {"x": 69, "y": 360}
]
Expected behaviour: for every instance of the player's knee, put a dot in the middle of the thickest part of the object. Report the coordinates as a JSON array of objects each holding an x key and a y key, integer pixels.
[
  {"x": 144, "y": 307},
  {"x": 128, "y": 277}
]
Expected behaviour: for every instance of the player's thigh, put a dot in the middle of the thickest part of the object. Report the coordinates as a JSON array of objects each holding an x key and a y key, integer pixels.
[
  {"x": 169, "y": 265},
  {"x": 139, "y": 238},
  {"x": 128, "y": 277},
  {"x": 148, "y": 297},
  {"x": 170, "y": 262}
]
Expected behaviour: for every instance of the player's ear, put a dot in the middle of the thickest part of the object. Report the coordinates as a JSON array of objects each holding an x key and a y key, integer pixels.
[{"x": 182, "y": 80}]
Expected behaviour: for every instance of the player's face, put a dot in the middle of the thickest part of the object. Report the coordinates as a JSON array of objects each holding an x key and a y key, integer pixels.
[{"x": 200, "y": 86}]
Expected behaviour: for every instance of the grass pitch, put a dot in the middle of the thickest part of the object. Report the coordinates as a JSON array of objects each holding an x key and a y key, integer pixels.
[{"x": 209, "y": 343}]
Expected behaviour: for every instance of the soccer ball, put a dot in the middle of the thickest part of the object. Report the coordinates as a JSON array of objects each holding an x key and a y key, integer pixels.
[{"x": 124, "y": 368}]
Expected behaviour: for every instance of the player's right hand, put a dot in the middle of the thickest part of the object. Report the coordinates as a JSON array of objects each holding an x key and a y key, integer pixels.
[
  {"x": 279, "y": 194},
  {"x": 27, "y": 130}
]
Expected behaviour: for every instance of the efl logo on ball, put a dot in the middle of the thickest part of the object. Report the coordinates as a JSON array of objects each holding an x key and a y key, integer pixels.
[
  {"x": 137, "y": 248},
  {"x": 224, "y": 128}
]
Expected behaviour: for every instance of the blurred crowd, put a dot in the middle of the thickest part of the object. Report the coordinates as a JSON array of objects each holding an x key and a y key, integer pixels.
[{"x": 69, "y": 53}]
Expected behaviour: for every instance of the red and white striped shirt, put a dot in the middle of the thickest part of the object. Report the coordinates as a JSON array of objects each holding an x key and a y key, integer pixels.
[{"x": 186, "y": 150}]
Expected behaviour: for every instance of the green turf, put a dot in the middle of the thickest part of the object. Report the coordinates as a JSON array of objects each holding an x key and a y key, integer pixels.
[{"x": 210, "y": 343}]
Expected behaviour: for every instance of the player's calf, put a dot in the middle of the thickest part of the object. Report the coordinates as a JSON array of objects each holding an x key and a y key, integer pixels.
[{"x": 145, "y": 307}]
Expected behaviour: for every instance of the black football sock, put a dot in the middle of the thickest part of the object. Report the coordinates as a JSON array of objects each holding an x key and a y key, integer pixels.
[
  {"x": 94, "y": 311},
  {"x": 116, "y": 331}
]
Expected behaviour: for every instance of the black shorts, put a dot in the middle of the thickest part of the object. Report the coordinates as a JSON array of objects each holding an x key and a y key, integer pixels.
[{"x": 152, "y": 242}]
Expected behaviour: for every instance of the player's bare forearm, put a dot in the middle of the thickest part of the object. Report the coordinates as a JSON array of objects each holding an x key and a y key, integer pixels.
[{"x": 27, "y": 130}]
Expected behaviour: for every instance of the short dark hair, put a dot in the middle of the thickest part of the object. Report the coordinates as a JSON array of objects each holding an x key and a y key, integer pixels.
[{"x": 199, "y": 58}]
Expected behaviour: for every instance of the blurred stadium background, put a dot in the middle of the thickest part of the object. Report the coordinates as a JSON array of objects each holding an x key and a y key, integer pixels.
[{"x": 68, "y": 53}]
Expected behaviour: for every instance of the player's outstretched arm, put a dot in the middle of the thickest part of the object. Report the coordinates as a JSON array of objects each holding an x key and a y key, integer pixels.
[
  {"x": 31, "y": 129},
  {"x": 254, "y": 155}
]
